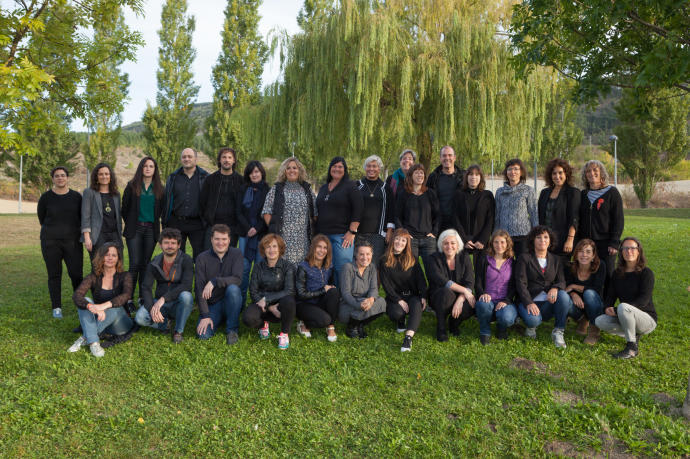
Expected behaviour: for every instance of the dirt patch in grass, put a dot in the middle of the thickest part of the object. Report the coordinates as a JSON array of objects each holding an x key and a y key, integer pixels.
[
  {"x": 566, "y": 398},
  {"x": 613, "y": 448},
  {"x": 19, "y": 230},
  {"x": 528, "y": 365},
  {"x": 564, "y": 449},
  {"x": 668, "y": 404}
]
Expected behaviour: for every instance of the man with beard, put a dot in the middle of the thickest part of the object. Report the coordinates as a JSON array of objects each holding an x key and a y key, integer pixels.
[{"x": 219, "y": 196}]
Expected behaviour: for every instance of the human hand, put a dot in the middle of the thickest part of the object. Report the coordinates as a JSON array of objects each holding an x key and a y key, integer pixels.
[
  {"x": 348, "y": 240},
  {"x": 532, "y": 309},
  {"x": 610, "y": 312},
  {"x": 273, "y": 309},
  {"x": 203, "y": 326},
  {"x": 405, "y": 307},
  {"x": 208, "y": 290},
  {"x": 552, "y": 295},
  {"x": 156, "y": 315},
  {"x": 251, "y": 232},
  {"x": 577, "y": 301}
]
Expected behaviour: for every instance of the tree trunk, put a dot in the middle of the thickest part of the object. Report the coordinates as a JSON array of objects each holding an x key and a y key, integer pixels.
[
  {"x": 686, "y": 405},
  {"x": 424, "y": 150}
]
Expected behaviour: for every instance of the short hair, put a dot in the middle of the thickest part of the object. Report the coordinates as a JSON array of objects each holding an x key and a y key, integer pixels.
[
  {"x": 267, "y": 239},
  {"x": 509, "y": 243},
  {"x": 554, "y": 163},
  {"x": 249, "y": 168},
  {"x": 334, "y": 161},
  {"x": 170, "y": 233},
  {"x": 112, "y": 186},
  {"x": 641, "y": 259},
  {"x": 220, "y": 228},
  {"x": 537, "y": 231},
  {"x": 445, "y": 235},
  {"x": 594, "y": 266},
  {"x": 482, "y": 179},
  {"x": 189, "y": 148},
  {"x": 406, "y": 151},
  {"x": 58, "y": 168},
  {"x": 282, "y": 177},
  {"x": 514, "y": 162},
  {"x": 311, "y": 255},
  {"x": 364, "y": 243},
  {"x": 602, "y": 172},
  {"x": 446, "y": 147},
  {"x": 406, "y": 260},
  {"x": 99, "y": 259},
  {"x": 408, "y": 177},
  {"x": 373, "y": 158},
  {"x": 227, "y": 150}
]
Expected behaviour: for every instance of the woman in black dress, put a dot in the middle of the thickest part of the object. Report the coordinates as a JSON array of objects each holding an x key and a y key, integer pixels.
[
  {"x": 474, "y": 212},
  {"x": 559, "y": 206}
]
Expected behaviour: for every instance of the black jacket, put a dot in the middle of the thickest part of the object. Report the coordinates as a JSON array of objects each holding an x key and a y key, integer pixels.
[
  {"x": 170, "y": 186},
  {"x": 530, "y": 281},
  {"x": 477, "y": 229},
  {"x": 603, "y": 220},
  {"x": 272, "y": 283},
  {"x": 130, "y": 213},
  {"x": 399, "y": 284},
  {"x": 243, "y": 217},
  {"x": 565, "y": 213},
  {"x": 169, "y": 287},
  {"x": 480, "y": 279},
  {"x": 439, "y": 274},
  {"x": 210, "y": 196},
  {"x": 220, "y": 272},
  {"x": 432, "y": 181}
]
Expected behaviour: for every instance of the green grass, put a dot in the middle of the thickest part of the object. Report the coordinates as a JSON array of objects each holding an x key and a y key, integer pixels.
[
  {"x": 663, "y": 213},
  {"x": 148, "y": 397}
]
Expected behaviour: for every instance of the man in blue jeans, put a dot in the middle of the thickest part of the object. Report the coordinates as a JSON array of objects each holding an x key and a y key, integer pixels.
[
  {"x": 173, "y": 271},
  {"x": 218, "y": 279}
]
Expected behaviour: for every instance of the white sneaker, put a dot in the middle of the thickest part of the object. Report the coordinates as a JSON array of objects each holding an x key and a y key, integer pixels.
[
  {"x": 57, "y": 313},
  {"x": 96, "y": 349},
  {"x": 81, "y": 341},
  {"x": 557, "y": 337},
  {"x": 302, "y": 329},
  {"x": 531, "y": 332}
]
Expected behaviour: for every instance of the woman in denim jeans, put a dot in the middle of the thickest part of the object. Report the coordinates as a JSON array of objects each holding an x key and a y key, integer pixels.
[{"x": 585, "y": 284}]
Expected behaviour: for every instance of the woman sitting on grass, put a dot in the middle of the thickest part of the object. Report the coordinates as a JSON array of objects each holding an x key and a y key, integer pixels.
[
  {"x": 632, "y": 284},
  {"x": 585, "y": 284},
  {"x": 111, "y": 288}
]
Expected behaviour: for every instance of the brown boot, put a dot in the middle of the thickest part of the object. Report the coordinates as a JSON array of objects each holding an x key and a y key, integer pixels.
[
  {"x": 582, "y": 325},
  {"x": 592, "y": 336}
]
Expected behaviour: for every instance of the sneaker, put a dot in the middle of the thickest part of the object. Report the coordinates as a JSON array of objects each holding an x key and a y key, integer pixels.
[
  {"x": 303, "y": 330},
  {"x": 264, "y": 332},
  {"x": 81, "y": 341},
  {"x": 96, "y": 349},
  {"x": 407, "y": 344},
  {"x": 484, "y": 339},
  {"x": 57, "y": 313},
  {"x": 177, "y": 337},
  {"x": 531, "y": 332},
  {"x": 400, "y": 327},
  {"x": 231, "y": 338},
  {"x": 557, "y": 337},
  {"x": 630, "y": 351},
  {"x": 283, "y": 341}
]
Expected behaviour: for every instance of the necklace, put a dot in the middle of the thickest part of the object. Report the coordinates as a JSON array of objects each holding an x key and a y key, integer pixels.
[{"x": 371, "y": 192}]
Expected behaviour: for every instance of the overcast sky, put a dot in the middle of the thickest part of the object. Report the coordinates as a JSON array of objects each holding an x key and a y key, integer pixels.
[{"x": 207, "y": 42}]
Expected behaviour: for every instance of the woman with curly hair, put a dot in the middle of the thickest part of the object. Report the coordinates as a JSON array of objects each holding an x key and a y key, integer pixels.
[{"x": 559, "y": 206}]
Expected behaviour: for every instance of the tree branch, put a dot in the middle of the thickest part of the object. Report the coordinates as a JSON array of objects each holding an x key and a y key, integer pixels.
[{"x": 655, "y": 28}]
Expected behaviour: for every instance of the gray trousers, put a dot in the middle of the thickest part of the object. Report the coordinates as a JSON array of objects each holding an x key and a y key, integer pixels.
[{"x": 629, "y": 322}]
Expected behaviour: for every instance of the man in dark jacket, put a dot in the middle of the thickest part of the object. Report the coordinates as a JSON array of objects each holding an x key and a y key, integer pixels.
[
  {"x": 182, "y": 192},
  {"x": 218, "y": 279},
  {"x": 219, "y": 196},
  {"x": 173, "y": 271},
  {"x": 445, "y": 180}
]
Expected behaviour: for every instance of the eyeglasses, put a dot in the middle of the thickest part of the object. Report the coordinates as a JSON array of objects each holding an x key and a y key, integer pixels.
[
  {"x": 513, "y": 169},
  {"x": 629, "y": 248}
]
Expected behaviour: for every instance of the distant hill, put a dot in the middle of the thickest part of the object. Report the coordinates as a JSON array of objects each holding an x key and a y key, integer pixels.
[{"x": 199, "y": 112}]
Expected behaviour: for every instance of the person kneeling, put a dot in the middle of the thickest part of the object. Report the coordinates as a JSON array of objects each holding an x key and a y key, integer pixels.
[
  {"x": 218, "y": 279},
  {"x": 173, "y": 271}
]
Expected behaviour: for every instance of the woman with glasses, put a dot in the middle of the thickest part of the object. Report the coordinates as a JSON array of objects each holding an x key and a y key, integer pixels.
[{"x": 516, "y": 207}]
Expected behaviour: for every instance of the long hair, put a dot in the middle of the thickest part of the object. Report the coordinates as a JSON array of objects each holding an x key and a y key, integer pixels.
[
  {"x": 554, "y": 163},
  {"x": 405, "y": 259},
  {"x": 334, "y": 161},
  {"x": 311, "y": 255},
  {"x": 594, "y": 265},
  {"x": 249, "y": 168},
  {"x": 603, "y": 174},
  {"x": 482, "y": 181},
  {"x": 137, "y": 181},
  {"x": 99, "y": 259},
  {"x": 408, "y": 177},
  {"x": 282, "y": 176},
  {"x": 112, "y": 186},
  {"x": 509, "y": 243},
  {"x": 641, "y": 259}
]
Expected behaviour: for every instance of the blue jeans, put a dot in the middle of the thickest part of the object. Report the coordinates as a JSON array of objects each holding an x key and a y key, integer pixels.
[
  {"x": 178, "y": 310},
  {"x": 228, "y": 309},
  {"x": 140, "y": 249},
  {"x": 504, "y": 317},
  {"x": 340, "y": 256},
  {"x": 247, "y": 268},
  {"x": 116, "y": 322},
  {"x": 558, "y": 310},
  {"x": 594, "y": 307},
  {"x": 423, "y": 247}
]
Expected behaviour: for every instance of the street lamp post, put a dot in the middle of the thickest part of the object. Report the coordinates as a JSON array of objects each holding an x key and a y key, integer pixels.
[{"x": 615, "y": 160}]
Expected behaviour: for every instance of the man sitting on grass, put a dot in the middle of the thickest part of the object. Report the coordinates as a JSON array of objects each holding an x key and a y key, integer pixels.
[{"x": 173, "y": 271}]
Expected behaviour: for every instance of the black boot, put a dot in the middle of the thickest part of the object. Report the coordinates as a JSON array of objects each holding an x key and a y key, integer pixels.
[
  {"x": 629, "y": 352},
  {"x": 362, "y": 332},
  {"x": 352, "y": 330}
]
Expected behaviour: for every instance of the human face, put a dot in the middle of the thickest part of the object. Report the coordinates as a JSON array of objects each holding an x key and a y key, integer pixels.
[
  {"x": 103, "y": 176},
  {"x": 364, "y": 256},
  {"x": 418, "y": 177},
  {"x": 448, "y": 158},
  {"x": 500, "y": 245},
  {"x": 111, "y": 258},
  {"x": 320, "y": 251},
  {"x": 558, "y": 176},
  {"x": 450, "y": 246},
  {"x": 406, "y": 162},
  {"x": 585, "y": 255},
  {"x": 272, "y": 251},
  {"x": 148, "y": 169},
  {"x": 631, "y": 252},
  {"x": 473, "y": 179},
  {"x": 399, "y": 244},
  {"x": 170, "y": 246},
  {"x": 60, "y": 178},
  {"x": 372, "y": 170},
  {"x": 513, "y": 173},
  {"x": 220, "y": 242},
  {"x": 337, "y": 171},
  {"x": 227, "y": 161},
  {"x": 593, "y": 175},
  {"x": 292, "y": 172},
  {"x": 188, "y": 158},
  {"x": 541, "y": 242},
  {"x": 255, "y": 175}
]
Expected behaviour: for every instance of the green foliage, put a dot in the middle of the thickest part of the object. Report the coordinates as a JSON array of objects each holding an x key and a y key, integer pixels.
[
  {"x": 561, "y": 134},
  {"x": 652, "y": 137}
]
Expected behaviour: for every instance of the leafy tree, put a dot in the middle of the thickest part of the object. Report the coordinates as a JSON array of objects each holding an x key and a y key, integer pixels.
[
  {"x": 652, "y": 137},
  {"x": 168, "y": 126},
  {"x": 561, "y": 133}
]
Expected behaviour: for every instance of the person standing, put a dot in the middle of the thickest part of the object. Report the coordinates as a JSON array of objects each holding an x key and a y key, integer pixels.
[
  {"x": 559, "y": 206},
  {"x": 474, "y": 212},
  {"x": 378, "y": 213},
  {"x": 59, "y": 213},
  {"x": 219, "y": 195},
  {"x": 516, "y": 207},
  {"x": 182, "y": 198},
  {"x": 396, "y": 181},
  {"x": 446, "y": 180},
  {"x": 101, "y": 221}
]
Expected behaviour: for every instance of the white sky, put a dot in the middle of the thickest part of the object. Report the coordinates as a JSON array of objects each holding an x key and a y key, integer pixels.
[{"x": 207, "y": 42}]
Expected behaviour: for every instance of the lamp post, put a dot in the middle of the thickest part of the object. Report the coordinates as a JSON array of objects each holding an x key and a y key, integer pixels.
[
  {"x": 21, "y": 177},
  {"x": 615, "y": 160}
]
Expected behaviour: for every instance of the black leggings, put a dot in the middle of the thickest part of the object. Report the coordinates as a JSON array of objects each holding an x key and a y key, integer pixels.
[
  {"x": 442, "y": 301},
  {"x": 367, "y": 321},
  {"x": 396, "y": 313},
  {"x": 54, "y": 251},
  {"x": 254, "y": 317},
  {"x": 321, "y": 314}
]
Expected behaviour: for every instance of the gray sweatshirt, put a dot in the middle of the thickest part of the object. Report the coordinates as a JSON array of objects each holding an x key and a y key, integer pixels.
[{"x": 516, "y": 209}]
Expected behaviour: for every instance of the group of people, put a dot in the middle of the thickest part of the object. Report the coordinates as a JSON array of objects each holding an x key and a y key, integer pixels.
[{"x": 321, "y": 257}]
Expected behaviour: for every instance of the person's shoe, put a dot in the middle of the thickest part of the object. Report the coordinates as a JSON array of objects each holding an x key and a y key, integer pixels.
[
  {"x": 582, "y": 326},
  {"x": 57, "y": 313},
  {"x": 167, "y": 328},
  {"x": 177, "y": 337},
  {"x": 352, "y": 330},
  {"x": 231, "y": 338},
  {"x": 264, "y": 332},
  {"x": 455, "y": 331},
  {"x": 501, "y": 334},
  {"x": 77, "y": 329},
  {"x": 630, "y": 351},
  {"x": 407, "y": 344},
  {"x": 283, "y": 341},
  {"x": 441, "y": 336},
  {"x": 362, "y": 331},
  {"x": 531, "y": 332},
  {"x": 81, "y": 341},
  {"x": 331, "y": 337},
  {"x": 484, "y": 339},
  {"x": 96, "y": 349},
  {"x": 592, "y": 336},
  {"x": 400, "y": 327},
  {"x": 557, "y": 337},
  {"x": 303, "y": 330}
]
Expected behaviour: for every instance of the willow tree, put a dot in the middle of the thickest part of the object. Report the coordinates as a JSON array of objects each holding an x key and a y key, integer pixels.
[{"x": 376, "y": 76}]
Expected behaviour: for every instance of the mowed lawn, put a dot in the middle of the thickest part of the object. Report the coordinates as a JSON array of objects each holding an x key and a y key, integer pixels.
[{"x": 148, "y": 397}]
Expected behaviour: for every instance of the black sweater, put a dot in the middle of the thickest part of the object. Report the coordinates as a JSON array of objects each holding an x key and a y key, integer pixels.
[
  {"x": 595, "y": 281},
  {"x": 564, "y": 214},
  {"x": 603, "y": 220},
  {"x": 209, "y": 197},
  {"x": 418, "y": 214},
  {"x": 439, "y": 274},
  {"x": 338, "y": 208},
  {"x": 530, "y": 281},
  {"x": 398, "y": 283},
  {"x": 60, "y": 215},
  {"x": 634, "y": 288},
  {"x": 220, "y": 272},
  {"x": 474, "y": 215}
]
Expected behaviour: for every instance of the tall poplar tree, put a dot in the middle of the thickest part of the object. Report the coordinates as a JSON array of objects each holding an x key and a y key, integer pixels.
[
  {"x": 236, "y": 76},
  {"x": 168, "y": 126}
]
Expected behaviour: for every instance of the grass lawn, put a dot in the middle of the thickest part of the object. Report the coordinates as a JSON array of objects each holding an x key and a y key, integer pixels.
[{"x": 148, "y": 397}]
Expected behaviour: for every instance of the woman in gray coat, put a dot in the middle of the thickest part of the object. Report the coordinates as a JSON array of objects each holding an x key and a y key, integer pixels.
[
  {"x": 100, "y": 210},
  {"x": 516, "y": 206},
  {"x": 360, "y": 302}
]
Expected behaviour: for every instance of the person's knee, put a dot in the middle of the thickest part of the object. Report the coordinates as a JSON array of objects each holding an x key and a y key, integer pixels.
[
  {"x": 234, "y": 295},
  {"x": 186, "y": 299},
  {"x": 602, "y": 321},
  {"x": 563, "y": 299},
  {"x": 252, "y": 317},
  {"x": 484, "y": 309},
  {"x": 142, "y": 317},
  {"x": 590, "y": 296},
  {"x": 625, "y": 309},
  {"x": 506, "y": 316}
]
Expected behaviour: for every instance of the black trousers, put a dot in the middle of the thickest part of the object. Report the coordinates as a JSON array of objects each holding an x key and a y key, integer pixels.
[
  {"x": 254, "y": 317},
  {"x": 519, "y": 245},
  {"x": 323, "y": 313},
  {"x": 396, "y": 313},
  {"x": 54, "y": 252},
  {"x": 140, "y": 249},
  {"x": 610, "y": 260},
  {"x": 192, "y": 229},
  {"x": 442, "y": 301}
]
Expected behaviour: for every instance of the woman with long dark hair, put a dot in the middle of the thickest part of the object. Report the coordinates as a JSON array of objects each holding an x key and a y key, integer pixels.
[
  {"x": 584, "y": 281},
  {"x": 142, "y": 204},
  {"x": 559, "y": 206},
  {"x": 516, "y": 207},
  {"x": 101, "y": 221},
  {"x": 474, "y": 212}
]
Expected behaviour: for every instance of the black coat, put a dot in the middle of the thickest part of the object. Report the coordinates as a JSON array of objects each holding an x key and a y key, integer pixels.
[
  {"x": 272, "y": 283},
  {"x": 243, "y": 217},
  {"x": 565, "y": 213},
  {"x": 439, "y": 274},
  {"x": 130, "y": 213},
  {"x": 210, "y": 196},
  {"x": 603, "y": 220},
  {"x": 483, "y": 207},
  {"x": 530, "y": 280}
]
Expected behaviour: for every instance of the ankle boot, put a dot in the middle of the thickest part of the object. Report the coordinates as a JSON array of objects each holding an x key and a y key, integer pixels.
[
  {"x": 582, "y": 325},
  {"x": 592, "y": 335}
]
